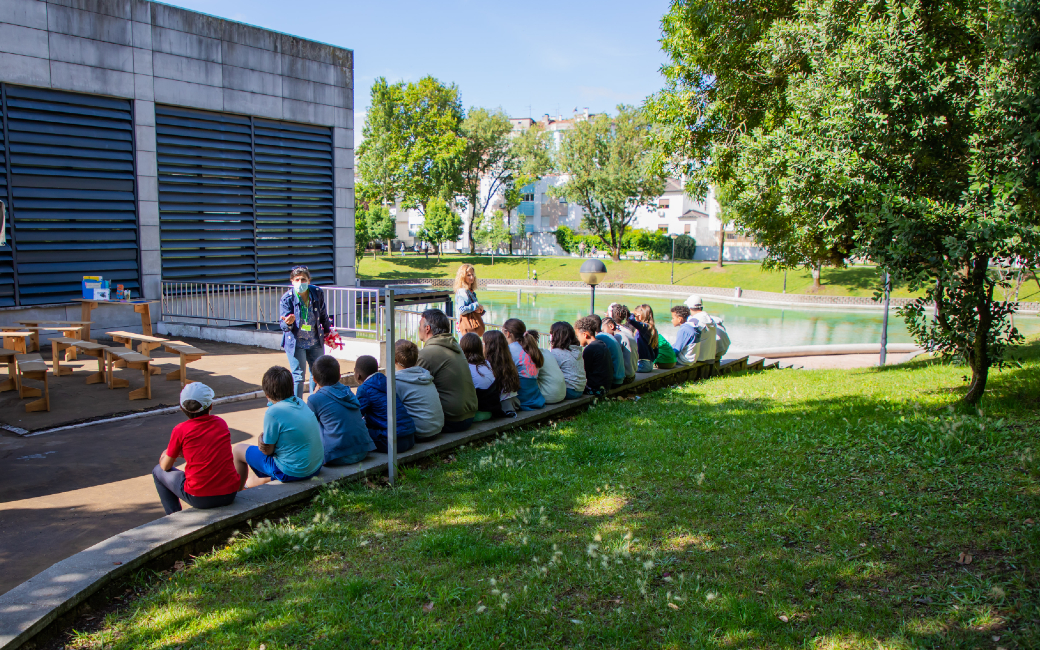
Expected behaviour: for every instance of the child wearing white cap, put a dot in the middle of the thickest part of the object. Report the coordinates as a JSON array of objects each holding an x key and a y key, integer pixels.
[{"x": 209, "y": 478}]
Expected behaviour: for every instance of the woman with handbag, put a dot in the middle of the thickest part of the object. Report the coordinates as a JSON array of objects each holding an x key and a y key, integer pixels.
[{"x": 470, "y": 311}]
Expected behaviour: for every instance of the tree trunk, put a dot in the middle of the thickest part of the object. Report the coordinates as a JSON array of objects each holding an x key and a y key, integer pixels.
[
  {"x": 722, "y": 243},
  {"x": 509, "y": 229},
  {"x": 816, "y": 285},
  {"x": 390, "y": 247},
  {"x": 978, "y": 356},
  {"x": 469, "y": 228}
]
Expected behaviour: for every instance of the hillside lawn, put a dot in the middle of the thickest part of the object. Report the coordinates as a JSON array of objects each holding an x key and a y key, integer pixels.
[
  {"x": 785, "y": 509},
  {"x": 856, "y": 280}
]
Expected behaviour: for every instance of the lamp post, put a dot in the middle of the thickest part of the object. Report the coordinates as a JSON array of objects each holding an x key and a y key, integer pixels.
[
  {"x": 674, "y": 237},
  {"x": 528, "y": 235},
  {"x": 592, "y": 273},
  {"x": 884, "y": 321}
]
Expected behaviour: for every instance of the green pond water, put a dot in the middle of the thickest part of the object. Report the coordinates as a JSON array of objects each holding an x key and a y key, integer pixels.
[{"x": 749, "y": 327}]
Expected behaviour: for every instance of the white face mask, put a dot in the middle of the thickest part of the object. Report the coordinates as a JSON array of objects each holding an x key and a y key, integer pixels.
[{"x": 300, "y": 286}]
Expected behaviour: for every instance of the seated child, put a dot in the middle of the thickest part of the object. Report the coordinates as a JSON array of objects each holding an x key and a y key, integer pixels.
[
  {"x": 564, "y": 346},
  {"x": 289, "y": 448},
  {"x": 551, "y": 381},
  {"x": 599, "y": 367},
  {"x": 530, "y": 395},
  {"x": 415, "y": 387},
  {"x": 489, "y": 389},
  {"x": 686, "y": 338},
  {"x": 629, "y": 355},
  {"x": 662, "y": 354},
  {"x": 209, "y": 479},
  {"x": 496, "y": 351},
  {"x": 645, "y": 350},
  {"x": 371, "y": 394},
  {"x": 344, "y": 435},
  {"x": 613, "y": 347}
]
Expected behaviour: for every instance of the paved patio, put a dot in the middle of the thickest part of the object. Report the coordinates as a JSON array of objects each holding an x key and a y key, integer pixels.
[{"x": 228, "y": 369}]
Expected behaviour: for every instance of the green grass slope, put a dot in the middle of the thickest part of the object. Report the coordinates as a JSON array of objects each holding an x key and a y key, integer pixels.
[{"x": 787, "y": 509}]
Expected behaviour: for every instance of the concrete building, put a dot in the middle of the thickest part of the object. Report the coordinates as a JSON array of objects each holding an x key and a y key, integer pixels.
[{"x": 143, "y": 142}]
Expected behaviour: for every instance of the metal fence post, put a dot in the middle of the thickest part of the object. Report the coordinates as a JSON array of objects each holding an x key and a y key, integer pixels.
[{"x": 391, "y": 390}]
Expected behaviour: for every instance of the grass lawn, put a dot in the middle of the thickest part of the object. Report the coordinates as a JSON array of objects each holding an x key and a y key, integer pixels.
[{"x": 787, "y": 509}]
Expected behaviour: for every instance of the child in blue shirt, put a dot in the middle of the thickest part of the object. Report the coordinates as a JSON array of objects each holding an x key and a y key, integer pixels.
[
  {"x": 686, "y": 338},
  {"x": 289, "y": 448},
  {"x": 344, "y": 434},
  {"x": 371, "y": 394}
]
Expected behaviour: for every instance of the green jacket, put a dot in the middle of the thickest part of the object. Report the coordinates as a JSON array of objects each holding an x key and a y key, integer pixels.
[
  {"x": 665, "y": 353},
  {"x": 443, "y": 357}
]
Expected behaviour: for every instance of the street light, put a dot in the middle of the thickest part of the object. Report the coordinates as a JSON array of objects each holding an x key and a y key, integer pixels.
[
  {"x": 674, "y": 236},
  {"x": 592, "y": 272},
  {"x": 529, "y": 234}
]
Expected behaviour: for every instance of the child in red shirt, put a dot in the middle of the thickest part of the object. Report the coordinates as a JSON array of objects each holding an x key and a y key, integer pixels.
[{"x": 209, "y": 479}]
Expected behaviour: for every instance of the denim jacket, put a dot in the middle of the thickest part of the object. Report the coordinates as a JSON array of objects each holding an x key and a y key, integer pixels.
[{"x": 290, "y": 304}]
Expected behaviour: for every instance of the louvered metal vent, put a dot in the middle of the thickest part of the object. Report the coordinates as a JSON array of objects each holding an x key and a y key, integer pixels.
[
  {"x": 294, "y": 200},
  {"x": 7, "y": 250},
  {"x": 243, "y": 199},
  {"x": 71, "y": 174},
  {"x": 205, "y": 195}
]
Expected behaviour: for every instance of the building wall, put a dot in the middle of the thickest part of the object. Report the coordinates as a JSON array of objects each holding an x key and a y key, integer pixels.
[{"x": 154, "y": 53}]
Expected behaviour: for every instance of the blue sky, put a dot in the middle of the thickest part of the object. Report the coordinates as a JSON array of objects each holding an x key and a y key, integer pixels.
[{"x": 526, "y": 60}]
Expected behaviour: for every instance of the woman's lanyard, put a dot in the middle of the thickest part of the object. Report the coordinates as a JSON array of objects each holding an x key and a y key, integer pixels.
[{"x": 304, "y": 313}]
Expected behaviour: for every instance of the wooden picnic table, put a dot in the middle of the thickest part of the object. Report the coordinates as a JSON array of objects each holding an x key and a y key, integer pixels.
[
  {"x": 187, "y": 354},
  {"x": 72, "y": 332},
  {"x": 133, "y": 360},
  {"x": 88, "y": 348},
  {"x": 75, "y": 330},
  {"x": 19, "y": 341},
  {"x": 147, "y": 343},
  {"x": 143, "y": 307}
]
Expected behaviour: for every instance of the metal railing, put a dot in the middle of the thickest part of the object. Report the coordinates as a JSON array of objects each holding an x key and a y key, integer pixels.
[{"x": 354, "y": 311}]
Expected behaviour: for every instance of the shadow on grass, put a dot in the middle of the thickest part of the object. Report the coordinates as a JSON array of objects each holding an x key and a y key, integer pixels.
[{"x": 779, "y": 510}]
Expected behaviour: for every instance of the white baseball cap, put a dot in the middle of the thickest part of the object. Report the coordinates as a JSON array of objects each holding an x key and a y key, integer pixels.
[
  {"x": 198, "y": 392},
  {"x": 694, "y": 301}
]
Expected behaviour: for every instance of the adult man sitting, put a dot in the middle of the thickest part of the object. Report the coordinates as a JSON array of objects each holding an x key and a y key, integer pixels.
[{"x": 443, "y": 357}]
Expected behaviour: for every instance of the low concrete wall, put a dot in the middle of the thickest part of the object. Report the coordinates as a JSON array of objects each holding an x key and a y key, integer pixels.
[{"x": 52, "y": 599}]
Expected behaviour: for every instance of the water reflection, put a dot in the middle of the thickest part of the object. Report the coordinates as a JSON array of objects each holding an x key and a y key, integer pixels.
[{"x": 749, "y": 326}]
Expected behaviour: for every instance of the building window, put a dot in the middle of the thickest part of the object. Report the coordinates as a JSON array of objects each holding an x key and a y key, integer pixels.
[
  {"x": 527, "y": 197},
  {"x": 662, "y": 203},
  {"x": 662, "y": 227},
  {"x": 686, "y": 229}
]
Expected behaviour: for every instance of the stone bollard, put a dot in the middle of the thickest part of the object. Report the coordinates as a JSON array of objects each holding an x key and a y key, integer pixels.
[{"x": 736, "y": 292}]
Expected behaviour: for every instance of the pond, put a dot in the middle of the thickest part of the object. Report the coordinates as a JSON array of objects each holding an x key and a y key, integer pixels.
[{"x": 749, "y": 327}]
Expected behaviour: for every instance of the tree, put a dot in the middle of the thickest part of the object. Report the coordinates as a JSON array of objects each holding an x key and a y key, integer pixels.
[
  {"x": 440, "y": 224},
  {"x": 412, "y": 141},
  {"x": 609, "y": 173},
  {"x": 488, "y": 157},
  {"x": 382, "y": 225},
  {"x": 492, "y": 232},
  {"x": 902, "y": 132},
  {"x": 361, "y": 237}
]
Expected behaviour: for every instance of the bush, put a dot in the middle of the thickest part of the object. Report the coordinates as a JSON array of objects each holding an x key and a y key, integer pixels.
[
  {"x": 685, "y": 247},
  {"x": 565, "y": 239}
]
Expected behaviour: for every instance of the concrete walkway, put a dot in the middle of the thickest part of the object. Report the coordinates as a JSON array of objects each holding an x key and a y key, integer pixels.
[{"x": 66, "y": 491}]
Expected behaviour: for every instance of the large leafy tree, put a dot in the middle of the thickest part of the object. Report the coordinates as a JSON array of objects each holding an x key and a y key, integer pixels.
[
  {"x": 609, "y": 173},
  {"x": 488, "y": 158},
  {"x": 381, "y": 225},
  {"x": 440, "y": 224},
  {"x": 412, "y": 141},
  {"x": 894, "y": 130}
]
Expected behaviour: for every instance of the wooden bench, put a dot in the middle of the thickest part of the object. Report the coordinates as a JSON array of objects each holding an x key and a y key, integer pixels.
[
  {"x": 32, "y": 366},
  {"x": 8, "y": 357},
  {"x": 187, "y": 354},
  {"x": 132, "y": 360},
  {"x": 69, "y": 332},
  {"x": 146, "y": 342},
  {"x": 88, "y": 348},
  {"x": 17, "y": 341}
]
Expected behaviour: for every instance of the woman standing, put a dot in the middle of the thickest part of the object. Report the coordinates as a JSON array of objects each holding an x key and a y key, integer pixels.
[
  {"x": 305, "y": 324},
  {"x": 470, "y": 312}
]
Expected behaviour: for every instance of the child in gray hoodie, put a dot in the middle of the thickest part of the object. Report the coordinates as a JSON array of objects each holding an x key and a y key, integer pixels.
[{"x": 416, "y": 389}]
